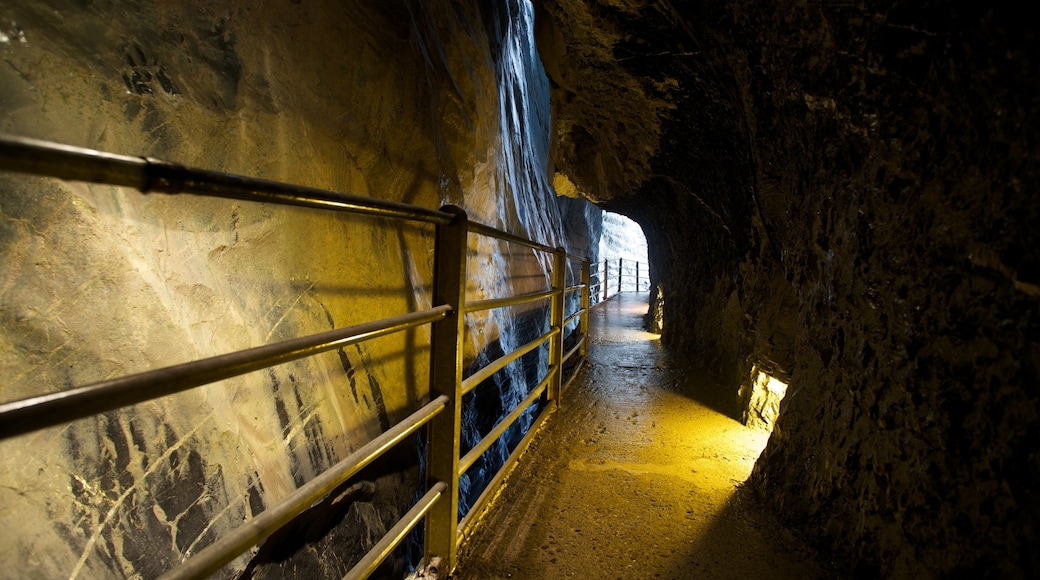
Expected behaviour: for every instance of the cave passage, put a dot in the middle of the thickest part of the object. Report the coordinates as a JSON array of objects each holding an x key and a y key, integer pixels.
[{"x": 639, "y": 475}]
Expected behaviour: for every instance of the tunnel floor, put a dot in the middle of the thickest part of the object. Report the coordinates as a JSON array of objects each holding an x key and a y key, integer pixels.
[{"x": 637, "y": 476}]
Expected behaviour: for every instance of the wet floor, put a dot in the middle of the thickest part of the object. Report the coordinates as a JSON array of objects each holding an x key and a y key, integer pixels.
[{"x": 636, "y": 476}]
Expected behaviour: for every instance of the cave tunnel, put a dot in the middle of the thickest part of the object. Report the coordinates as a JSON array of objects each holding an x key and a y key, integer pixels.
[{"x": 840, "y": 197}]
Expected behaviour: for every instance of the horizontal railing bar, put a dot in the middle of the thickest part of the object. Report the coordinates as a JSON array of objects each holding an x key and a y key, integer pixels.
[
  {"x": 471, "y": 382},
  {"x": 532, "y": 276},
  {"x": 227, "y": 548},
  {"x": 152, "y": 175},
  {"x": 74, "y": 163},
  {"x": 503, "y": 472},
  {"x": 573, "y": 316},
  {"x": 575, "y": 288},
  {"x": 474, "y": 454},
  {"x": 487, "y": 304},
  {"x": 571, "y": 379},
  {"x": 393, "y": 537},
  {"x": 34, "y": 413},
  {"x": 570, "y": 352},
  {"x": 489, "y": 231},
  {"x": 599, "y": 263}
]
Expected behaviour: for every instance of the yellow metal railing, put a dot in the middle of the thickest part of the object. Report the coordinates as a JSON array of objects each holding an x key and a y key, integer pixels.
[
  {"x": 611, "y": 277},
  {"x": 441, "y": 415}
]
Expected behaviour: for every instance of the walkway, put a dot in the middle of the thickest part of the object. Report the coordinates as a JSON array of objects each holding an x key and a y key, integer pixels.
[{"x": 636, "y": 477}]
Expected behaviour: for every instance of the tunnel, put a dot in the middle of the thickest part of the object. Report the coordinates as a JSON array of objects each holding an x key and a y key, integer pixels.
[{"x": 839, "y": 197}]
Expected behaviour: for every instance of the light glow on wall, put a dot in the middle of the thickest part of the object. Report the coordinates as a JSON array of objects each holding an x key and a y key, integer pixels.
[{"x": 760, "y": 399}]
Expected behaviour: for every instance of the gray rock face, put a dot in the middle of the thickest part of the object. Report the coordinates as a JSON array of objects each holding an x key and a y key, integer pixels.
[
  {"x": 845, "y": 192},
  {"x": 401, "y": 101},
  {"x": 583, "y": 223}
]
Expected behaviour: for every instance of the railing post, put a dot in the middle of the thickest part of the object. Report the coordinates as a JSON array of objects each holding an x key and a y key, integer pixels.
[
  {"x": 597, "y": 280},
  {"x": 449, "y": 287},
  {"x": 620, "y": 272},
  {"x": 605, "y": 277},
  {"x": 559, "y": 285},
  {"x": 637, "y": 276},
  {"x": 586, "y": 278}
]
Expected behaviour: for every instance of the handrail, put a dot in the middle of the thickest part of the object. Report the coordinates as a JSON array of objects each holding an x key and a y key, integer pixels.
[
  {"x": 471, "y": 382},
  {"x": 149, "y": 175},
  {"x": 571, "y": 318},
  {"x": 571, "y": 352},
  {"x": 614, "y": 276},
  {"x": 224, "y": 550},
  {"x": 508, "y": 237},
  {"x": 466, "y": 524},
  {"x": 474, "y": 454},
  {"x": 441, "y": 416},
  {"x": 34, "y": 413},
  {"x": 571, "y": 379},
  {"x": 489, "y": 303},
  {"x": 393, "y": 537}
]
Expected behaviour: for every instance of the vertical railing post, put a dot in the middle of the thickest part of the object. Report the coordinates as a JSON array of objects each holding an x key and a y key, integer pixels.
[
  {"x": 449, "y": 287},
  {"x": 620, "y": 272},
  {"x": 637, "y": 276},
  {"x": 586, "y": 278},
  {"x": 598, "y": 278},
  {"x": 605, "y": 278},
  {"x": 556, "y": 311}
]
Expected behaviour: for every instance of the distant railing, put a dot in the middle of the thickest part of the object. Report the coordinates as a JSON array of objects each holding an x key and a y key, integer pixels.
[
  {"x": 611, "y": 277},
  {"x": 441, "y": 415}
]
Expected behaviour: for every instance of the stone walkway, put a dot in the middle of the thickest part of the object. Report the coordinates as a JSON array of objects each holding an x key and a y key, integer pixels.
[{"x": 637, "y": 476}]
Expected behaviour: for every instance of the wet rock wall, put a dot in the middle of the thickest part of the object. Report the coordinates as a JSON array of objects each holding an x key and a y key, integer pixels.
[
  {"x": 845, "y": 196},
  {"x": 397, "y": 100}
]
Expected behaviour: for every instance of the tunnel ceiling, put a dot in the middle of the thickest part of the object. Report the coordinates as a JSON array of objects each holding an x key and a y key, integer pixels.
[
  {"x": 644, "y": 93},
  {"x": 655, "y": 99}
]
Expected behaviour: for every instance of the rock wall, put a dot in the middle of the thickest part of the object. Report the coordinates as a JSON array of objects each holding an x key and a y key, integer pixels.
[
  {"x": 910, "y": 249},
  {"x": 845, "y": 195},
  {"x": 583, "y": 224},
  {"x": 421, "y": 102}
]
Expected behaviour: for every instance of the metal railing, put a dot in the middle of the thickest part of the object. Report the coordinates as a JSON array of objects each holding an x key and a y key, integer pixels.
[
  {"x": 611, "y": 277},
  {"x": 441, "y": 415}
]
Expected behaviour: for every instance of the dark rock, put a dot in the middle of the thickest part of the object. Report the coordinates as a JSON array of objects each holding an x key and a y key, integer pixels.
[{"x": 847, "y": 191}]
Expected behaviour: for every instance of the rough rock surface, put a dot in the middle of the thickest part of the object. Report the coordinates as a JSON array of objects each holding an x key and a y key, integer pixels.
[
  {"x": 844, "y": 193},
  {"x": 421, "y": 102}
]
